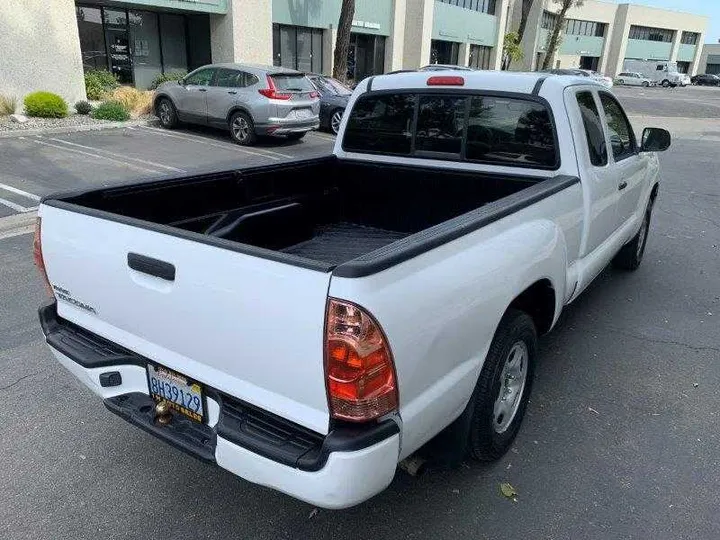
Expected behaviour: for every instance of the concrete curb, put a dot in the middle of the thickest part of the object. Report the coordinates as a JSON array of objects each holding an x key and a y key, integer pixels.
[{"x": 77, "y": 129}]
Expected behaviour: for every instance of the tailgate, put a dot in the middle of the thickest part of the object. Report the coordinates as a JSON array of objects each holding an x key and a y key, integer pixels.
[{"x": 247, "y": 326}]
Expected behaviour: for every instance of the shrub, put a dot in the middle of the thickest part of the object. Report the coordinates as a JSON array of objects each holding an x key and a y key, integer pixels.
[
  {"x": 165, "y": 77},
  {"x": 45, "y": 105},
  {"x": 8, "y": 104},
  {"x": 98, "y": 82},
  {"x": 137, "y": 102},
  {"x": 111, "y": 110},
  {"x": 83, "y": 107}
]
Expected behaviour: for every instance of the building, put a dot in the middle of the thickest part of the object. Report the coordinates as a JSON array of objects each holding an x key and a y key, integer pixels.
[
  {"x": 710, "y": 59},
  {"x": 602, "y": 35}
]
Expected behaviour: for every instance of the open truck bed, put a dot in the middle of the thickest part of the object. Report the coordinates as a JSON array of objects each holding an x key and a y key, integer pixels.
[{"x": 323, "y": 213}]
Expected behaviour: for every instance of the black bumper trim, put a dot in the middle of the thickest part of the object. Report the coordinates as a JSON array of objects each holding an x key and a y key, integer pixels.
[{"x": 245, "y": 425}]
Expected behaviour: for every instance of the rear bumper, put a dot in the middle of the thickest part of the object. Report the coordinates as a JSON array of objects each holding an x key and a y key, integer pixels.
[
  {"x": 283, "y": 126},
  {"x": 338, "y": 470}
]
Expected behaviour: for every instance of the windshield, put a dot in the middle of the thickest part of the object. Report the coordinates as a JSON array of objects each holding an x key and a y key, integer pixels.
[
  {"x": 293, "y": 83},
  {"x": 332, "y": 86}
]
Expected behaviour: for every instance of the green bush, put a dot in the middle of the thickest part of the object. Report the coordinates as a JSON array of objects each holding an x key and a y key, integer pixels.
[
  {"x": 111, "y": 110},
  {"x": 45, "y": 105},
  {"x": 7, "y": 105},
  {"x": 98, "y": 82},
  {"x": 83, "y": 107},
  {"x": 165, "y": 77}
]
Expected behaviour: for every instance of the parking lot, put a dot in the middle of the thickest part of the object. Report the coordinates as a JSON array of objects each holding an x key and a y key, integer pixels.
[{"x": 621, "y": 436}]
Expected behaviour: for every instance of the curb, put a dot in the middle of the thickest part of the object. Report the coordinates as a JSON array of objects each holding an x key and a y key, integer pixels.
[{"x": 77, "y": 129}]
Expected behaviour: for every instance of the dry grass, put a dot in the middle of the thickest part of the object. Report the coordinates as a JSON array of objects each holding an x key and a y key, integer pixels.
[
  {"x": 138, "y": 102},
  {"x": 8, "y": 104}
]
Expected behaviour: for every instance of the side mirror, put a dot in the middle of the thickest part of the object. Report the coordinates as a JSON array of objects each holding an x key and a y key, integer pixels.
[
  {"x": 181, "y": 82},
  {"x": 655, "y": 140}
]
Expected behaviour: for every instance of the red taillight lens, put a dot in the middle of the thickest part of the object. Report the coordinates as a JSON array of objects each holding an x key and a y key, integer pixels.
[
  {"x": 271, "y": 91},
  {"x": 38, "y": 255},
  {"x": 359, "y": 366},
  {"x": 446, "y": 80},
  {"x": 314, "y": 95}
]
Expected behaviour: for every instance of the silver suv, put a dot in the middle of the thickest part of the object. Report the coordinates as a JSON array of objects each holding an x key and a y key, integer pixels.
[{"x": 247, "y": 99}]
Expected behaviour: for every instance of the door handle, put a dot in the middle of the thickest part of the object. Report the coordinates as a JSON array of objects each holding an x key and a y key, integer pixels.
[
  {"x": 622, "y": 186},
  {"x": 232, "y": 92},
  {"x": 153, "y": 267},
  {"x": 202, "y": 89}
]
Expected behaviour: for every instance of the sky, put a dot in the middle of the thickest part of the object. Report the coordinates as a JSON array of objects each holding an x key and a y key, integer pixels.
[{"x": 710, "y": 8}]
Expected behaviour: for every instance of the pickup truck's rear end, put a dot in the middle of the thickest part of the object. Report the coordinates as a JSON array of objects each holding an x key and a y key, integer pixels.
[{"x": 307, "y": 325}]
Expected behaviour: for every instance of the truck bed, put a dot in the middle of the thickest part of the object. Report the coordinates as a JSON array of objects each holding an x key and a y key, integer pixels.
[{"x": 319, "y": 213}]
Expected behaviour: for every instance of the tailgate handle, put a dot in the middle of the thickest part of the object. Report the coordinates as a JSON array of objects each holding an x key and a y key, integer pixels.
[{"x": 154, "y": 267}]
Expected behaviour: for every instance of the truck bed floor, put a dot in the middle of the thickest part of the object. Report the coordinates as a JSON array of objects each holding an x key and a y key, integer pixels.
[{"x": 340, "y": 242}]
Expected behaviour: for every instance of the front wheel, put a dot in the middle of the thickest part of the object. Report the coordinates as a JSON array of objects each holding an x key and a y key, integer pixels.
[
  {"x": 665, "y": 83},
  {"x": 166, "y": 113},
  {"x": 335, "y": 120},
  {"x": 645, "y": 84},
  {"x": 498, "y": 404},
  {"x": 631, "y": 254},
  {"x": 242, "y": 129}
]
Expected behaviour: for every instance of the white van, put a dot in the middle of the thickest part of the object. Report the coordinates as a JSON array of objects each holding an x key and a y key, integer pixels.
[{"x": 659, "y": 71}]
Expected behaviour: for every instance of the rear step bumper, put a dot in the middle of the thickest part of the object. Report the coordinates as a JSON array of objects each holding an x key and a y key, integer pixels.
[{"x": 341, "y": 469}]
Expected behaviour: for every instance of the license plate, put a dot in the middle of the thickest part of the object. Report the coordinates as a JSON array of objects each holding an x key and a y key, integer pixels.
[
  {"x": 303, "y": 113},
  {"x": 183, "y": 395}
]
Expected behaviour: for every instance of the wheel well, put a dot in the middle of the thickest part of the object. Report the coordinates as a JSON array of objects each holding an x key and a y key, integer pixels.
[
  {"x": 238, "y": 109},
  {"x": 654, "y": 193},
  {"x": 538, "y": 301}
]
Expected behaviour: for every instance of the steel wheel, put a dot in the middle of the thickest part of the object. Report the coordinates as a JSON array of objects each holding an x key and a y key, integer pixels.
[
  {"x": 335, "y": 121},
  {"x": 512, "y": 385}
]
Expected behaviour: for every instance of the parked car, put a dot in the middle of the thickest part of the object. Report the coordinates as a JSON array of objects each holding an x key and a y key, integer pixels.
[
  {"x": 705, "y": 80},
  {"x": 247, "y": 99},
  {"x": 662, "y": 72},
  {"x": 628, "y": 78},
  {"x": 594, "y": 75},
  {"x": 607, "y": 82},
  {"x": 445, "y": 67},
  {"x": 685, "y": 79},
  {"x": 334, "y": 97},
  {"x": 307, "y": 325}
]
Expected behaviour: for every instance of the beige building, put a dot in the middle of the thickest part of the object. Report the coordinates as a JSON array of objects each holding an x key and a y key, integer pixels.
[
  {"x": 710, "y": 59},
  {"x": 602, "y": 35}
]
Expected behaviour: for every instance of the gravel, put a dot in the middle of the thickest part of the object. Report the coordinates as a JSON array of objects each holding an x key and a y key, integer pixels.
[{"x": 72, "y": 121}]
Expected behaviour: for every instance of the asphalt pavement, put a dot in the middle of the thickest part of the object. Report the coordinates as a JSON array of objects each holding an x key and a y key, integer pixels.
[{"x": 620, "y": 439}]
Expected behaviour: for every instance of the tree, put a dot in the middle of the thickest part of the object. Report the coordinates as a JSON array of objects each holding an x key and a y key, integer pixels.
[
  {"x": 342, "y": 42},
  {"x": 524, "y": 14},
  {"x": 512, "y": 51},
  {"x": 555, "y": 38}
]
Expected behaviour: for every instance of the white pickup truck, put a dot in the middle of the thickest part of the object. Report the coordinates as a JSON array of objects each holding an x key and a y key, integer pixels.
[{"x": 308, "y": 325}]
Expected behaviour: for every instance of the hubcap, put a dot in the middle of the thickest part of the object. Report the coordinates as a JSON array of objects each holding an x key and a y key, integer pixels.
[
  {"x": 165, "y": 112},
  {"x": 512, "y": 386},
  {"x": 335, "y": 121},
  {"x": 240, "y": 128}
]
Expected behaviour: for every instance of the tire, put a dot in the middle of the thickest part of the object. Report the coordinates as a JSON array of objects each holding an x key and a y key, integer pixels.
[
  {"x": 167, "y": 113},
  {"x": 296, "y": 136},
  {"x": 242, "y": 129},
  {"x": 665, "y": 83},
  {"x": 335, "y": 119},
  {"x": 493, "y": 426},
  {"x": 631, "y": 254},
  {"x": 645, "y": 84},
  {"x": 620, "y": 82}
]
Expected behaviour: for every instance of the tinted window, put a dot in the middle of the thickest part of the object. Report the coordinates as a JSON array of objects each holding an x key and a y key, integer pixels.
[
  {"x": 508, "y": 131},
  {"x": 622, "y": 139},
  {"x": 293, "y": 83},
  {"x": 230, "y": 78},
  {"x": 381, "y": 124},
  {"x": 440, "y": 124},
  {"x": 251, "y": 79},
  {"x": 593, "y": 129},
  {"x": 200, "y": 78}
]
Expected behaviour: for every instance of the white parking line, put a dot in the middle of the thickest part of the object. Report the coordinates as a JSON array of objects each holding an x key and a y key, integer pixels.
[
  {"x": 17, "y": 191},
  {"x": 202, "y": 140},
  {"x": 146, "y": 162},
  {"x": 323, "y": 137},
  {"x": 16, "y": 225},
  {"x": 125, "y": 163}
]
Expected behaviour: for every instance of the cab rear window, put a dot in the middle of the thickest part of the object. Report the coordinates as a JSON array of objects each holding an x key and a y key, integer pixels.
[{"x": 493, "y": 129}]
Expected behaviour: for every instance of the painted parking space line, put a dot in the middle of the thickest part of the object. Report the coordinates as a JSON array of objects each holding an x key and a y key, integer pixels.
[
  {"x": 17, "y": 207},
  {"x": 138, "y": 160},
  {"x": 322, "y": 136},
  {"x": 16, "y": 225},
  {"x": 20, "y": 192},
  {"x": 98, "y": 156},
  {"x": 201, "y": 140}
]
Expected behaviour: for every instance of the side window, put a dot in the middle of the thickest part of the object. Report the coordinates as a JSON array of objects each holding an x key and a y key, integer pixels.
[
  {"x": 622, "y": 139},
  {"x": 381, "y": 123},
  {"x": 593, "y": 129},
  {"x": 229, "y": 78},
  {"x": 200, "y": 78},
  {"x": 251, "y": 79},
  {"x": 440, "y": 124}
]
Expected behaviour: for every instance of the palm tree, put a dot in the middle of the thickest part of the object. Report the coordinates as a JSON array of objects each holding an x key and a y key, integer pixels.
[
  {"x": 342, "y": 42},
  {"x": 554, "y": 41}
]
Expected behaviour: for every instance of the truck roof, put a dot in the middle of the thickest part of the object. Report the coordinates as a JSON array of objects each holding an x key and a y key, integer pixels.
[{"x": 500, "y": 81}]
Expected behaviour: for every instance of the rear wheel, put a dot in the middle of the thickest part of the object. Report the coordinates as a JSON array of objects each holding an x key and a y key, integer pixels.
[
  {"x": 620, "y": 82},
  {"x": 166, "y": 113},
  {"x": 645, "y": 84},
  {"x": 242, "y": 129},
  {"x": 631, "y": 254},
  {"x": 296, "y": 136},
  {"x": 665, "y": 83}
]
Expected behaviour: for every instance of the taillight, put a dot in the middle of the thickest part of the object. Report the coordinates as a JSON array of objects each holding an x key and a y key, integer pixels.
[
  {"x": 38, "y": 255},
  {"x": 271, "y": 91},
  {"x": 446, "y": 80},
  {"x": 359, "y": 368},
  {"x": 314, "y": 95}
]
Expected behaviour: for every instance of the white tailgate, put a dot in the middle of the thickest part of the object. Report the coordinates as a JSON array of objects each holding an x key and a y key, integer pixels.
[{"x": 247, "y": 326}]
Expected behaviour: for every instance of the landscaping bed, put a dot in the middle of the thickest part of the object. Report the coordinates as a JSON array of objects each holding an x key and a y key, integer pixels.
[{"x": 70, "y": 122}]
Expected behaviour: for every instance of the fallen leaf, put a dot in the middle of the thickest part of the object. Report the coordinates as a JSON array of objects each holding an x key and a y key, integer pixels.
[
  {"x": 593, "y": 410},
  {"x": 313, "y": 513},
  {"x": 508, "y": 491}
]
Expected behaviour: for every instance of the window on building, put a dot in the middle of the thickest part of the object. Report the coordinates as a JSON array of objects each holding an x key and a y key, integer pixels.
[
  {"x": 593, "y": 129},
  {"x": 484, "y": 6},
  {"x": 648, "y": 33},
  {"x": 548, "y": 20},
  {"x": 622, "y": 139},
  {"x": 480, "y": 57},
  {"x": 297, "y": 47},
  {"x": 366, "y": 56},
  {"x": 444, "y": 52},
  {"x": 683, "y": 67},
  {"x": 575, "y": 27},
  {"x": 92, "y": 37},
  {"x": 690, "y": 38}
]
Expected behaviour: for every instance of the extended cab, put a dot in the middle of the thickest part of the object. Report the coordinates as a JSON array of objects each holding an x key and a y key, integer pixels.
[{"x": 308, "y": 325}]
